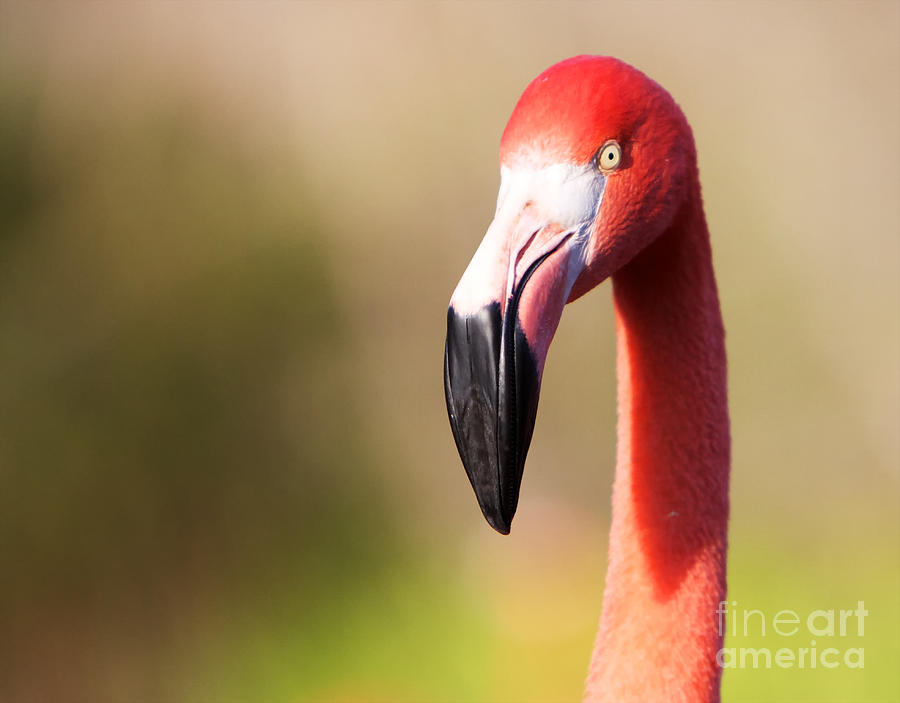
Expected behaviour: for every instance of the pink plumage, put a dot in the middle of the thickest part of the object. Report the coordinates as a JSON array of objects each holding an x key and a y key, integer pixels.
[{"x": 566, "y": 220}]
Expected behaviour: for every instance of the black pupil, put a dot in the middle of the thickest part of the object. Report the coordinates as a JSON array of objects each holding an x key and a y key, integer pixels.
[{"x": 609, "y": 155}]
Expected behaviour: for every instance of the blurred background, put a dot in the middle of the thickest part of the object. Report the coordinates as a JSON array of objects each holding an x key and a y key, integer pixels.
[{"x": 228, "y": 235}]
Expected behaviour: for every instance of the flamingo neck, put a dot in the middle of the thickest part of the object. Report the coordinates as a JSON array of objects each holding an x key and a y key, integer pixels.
[{"x": 659, "y": 635}]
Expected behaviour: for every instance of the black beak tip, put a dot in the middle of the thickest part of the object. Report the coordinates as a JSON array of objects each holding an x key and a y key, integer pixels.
[
  {"x": 491, "y": 508},
  {"x": 497, "y": 522},
  {"x": 491, "y": 405}
]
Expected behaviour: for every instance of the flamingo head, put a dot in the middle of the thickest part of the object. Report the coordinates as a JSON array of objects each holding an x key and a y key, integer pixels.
[{"x": 595, "y": 162}]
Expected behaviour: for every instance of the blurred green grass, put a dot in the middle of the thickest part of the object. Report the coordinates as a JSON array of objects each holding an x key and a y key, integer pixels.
[{"x": 180, "y": 438}]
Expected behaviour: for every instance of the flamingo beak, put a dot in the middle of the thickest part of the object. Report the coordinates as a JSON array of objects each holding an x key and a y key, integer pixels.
[{"x": 500, "y": 323}]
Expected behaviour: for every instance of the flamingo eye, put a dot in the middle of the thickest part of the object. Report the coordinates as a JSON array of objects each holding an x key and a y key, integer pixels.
[{"x": 609, "y": 156}]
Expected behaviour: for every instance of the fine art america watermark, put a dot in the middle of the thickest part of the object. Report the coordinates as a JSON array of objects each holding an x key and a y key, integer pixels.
[{"x": 809, "y": 642}]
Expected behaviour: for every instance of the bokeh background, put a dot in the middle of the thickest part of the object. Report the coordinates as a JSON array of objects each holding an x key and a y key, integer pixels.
[{"x": 228, "y": 235}]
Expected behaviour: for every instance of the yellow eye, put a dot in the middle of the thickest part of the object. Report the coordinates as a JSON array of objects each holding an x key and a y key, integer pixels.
[{"x": 610, "y": 156}]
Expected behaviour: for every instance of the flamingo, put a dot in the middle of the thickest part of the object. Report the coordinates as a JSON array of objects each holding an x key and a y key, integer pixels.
[{"x": 599, "y": 179}]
